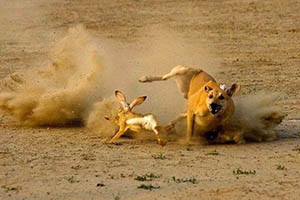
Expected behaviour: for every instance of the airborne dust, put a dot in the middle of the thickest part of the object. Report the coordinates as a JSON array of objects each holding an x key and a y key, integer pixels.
[{"x": 77, "y": 85}]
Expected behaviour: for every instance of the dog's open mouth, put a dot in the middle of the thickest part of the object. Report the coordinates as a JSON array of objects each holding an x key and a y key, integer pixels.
[{"x": 215, "y": 108}]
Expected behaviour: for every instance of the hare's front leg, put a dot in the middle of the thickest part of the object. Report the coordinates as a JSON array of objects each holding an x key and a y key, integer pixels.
[{"x": 121, "y": 131}]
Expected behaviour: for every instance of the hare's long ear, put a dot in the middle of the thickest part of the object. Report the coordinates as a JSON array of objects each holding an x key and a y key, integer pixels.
[
  {"x": 121, "y": 97},
  {"x": 233, "y": 90},
  {"x": 137, "y": 101}
]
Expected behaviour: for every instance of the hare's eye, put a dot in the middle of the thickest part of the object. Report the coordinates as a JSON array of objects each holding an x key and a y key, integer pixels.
[{"x": 221, "y": 97}]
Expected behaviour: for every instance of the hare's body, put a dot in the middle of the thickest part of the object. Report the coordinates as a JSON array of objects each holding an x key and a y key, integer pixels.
[
  {"x": 136, "y": 122},
  {"x": 147, "y": 122}
]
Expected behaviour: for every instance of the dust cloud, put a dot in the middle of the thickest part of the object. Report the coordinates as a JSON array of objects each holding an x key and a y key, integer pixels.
[
  {"x": 83, "y": 70},
  {"x": 155, "y": 56},
  {"x": 60, "y": 93},
  {"x": 257, "y": 115},
  {"x": 77, "y": 84},
  {"x": 96, "y": 122}
]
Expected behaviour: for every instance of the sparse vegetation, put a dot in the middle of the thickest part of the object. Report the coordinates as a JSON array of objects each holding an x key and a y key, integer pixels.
[
  {"x": 239, "y": 171},
  {"x": 281, "y": 167},
  {"x": 117, "y": 197},
  {"x": 148, "y": 187},
  {"x": 142, "y": 178},
  {"x": 88, "y": 157},
  {"x": 189, "y": 149},
  {"x": 184, "y": 180},
  {"x": 100, "y": 185},
  {"x": 8, "y": 188},
  {"x": 297, "y": 148},
  {"x": 146, "y": 177},
  {"x": 76, "y": 167},
  {"x": 160, "y": 156},
  {"x": 72, "y": 180},
  {"x": 151, "y": 175},
  {"x": 213, "y": 153}
]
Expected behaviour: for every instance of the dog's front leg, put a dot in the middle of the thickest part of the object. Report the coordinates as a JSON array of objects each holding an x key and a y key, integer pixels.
[{"x": 190, "y": 125}]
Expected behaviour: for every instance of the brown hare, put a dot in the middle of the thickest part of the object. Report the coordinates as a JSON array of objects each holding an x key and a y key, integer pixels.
[{"x": 126, "y": 119}]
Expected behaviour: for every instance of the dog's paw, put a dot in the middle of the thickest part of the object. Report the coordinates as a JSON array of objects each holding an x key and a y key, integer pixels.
[
  {"x": 143, "y": 79},
  {"x": 162, "y": 143}
]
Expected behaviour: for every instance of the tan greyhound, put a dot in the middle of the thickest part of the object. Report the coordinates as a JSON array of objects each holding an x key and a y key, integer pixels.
[{"x": 209, "y": 103}]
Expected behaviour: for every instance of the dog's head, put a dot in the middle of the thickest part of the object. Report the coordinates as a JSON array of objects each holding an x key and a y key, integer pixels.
[{"x": 218, "y": 97}]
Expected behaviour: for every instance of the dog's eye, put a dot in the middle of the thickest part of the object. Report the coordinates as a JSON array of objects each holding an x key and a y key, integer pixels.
[
  {"x": 210, "y": 96},
  {"x": 221, "y": 97}
]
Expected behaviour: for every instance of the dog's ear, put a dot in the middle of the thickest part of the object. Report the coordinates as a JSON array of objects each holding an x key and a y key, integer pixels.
[
  {"x": 207, "y": 88},
  {"x": 137, "y": 101},
  {"x": 233, "y": 90}
]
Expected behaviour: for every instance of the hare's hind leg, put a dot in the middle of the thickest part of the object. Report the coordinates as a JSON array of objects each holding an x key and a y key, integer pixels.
[{"x": 159, "y": 140}]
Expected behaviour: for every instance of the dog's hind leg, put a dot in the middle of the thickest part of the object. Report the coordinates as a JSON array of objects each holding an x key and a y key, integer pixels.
[
  {"x": 175, "y": 121},
  {"x": 178, "y": 70},
  {"x": 182, "y": 74}
]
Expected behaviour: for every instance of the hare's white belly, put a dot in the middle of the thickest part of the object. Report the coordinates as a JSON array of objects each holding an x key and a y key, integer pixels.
[{"x": 148, "y": 122}]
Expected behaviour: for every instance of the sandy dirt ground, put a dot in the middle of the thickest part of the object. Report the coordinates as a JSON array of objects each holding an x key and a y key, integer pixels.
[{"x": 257, "y": 43}]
